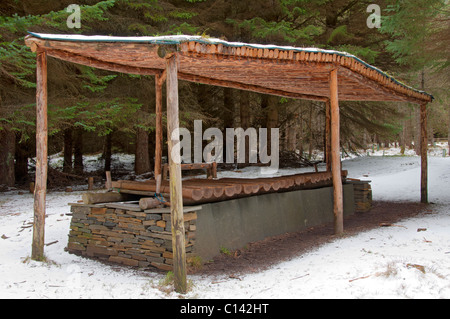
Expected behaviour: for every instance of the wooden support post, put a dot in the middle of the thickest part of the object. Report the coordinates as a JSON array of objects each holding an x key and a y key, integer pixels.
[
  {"x": 37, "y": 249},
  {"x": 328, "y": 135},
  {"x": 176, "y": 195},
  {"x": 338, "y": 205},
  {"x": 108, "y": 184},
  {"x": 424, "y": 153},
  {"x": 90, "y": 183},
  {"x": 159, "y": 131}
]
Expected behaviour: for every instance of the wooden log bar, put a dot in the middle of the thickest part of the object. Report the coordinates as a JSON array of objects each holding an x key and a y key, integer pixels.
[
  {"x": 108, "y": 197},
  {"x": 150, "y": 186},
  {"x": 196, "y": 190},
  {"x": 37, "y": 251},
  {"x": 147, "y": 203},
  {"x": 338, "y": 201}
]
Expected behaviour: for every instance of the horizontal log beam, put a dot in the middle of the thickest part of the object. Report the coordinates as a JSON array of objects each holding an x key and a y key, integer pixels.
[
  {"x": 78, "y": 59},
  {"x": 248, "y": 87},
  {"x": 283, "y": 73}
]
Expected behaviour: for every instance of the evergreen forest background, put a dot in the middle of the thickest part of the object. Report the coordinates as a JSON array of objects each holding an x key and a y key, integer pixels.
[{"x": 98, "y": 112}]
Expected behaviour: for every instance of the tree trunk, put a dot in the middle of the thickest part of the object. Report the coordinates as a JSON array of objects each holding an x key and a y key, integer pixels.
[
  {"x": 68, "y": 150},
  {"x": 310, "y": 131},
  {"x": 271, "y": 118},
  {"x": 21, "y": 165},
  {"x": 417, "y": 132},
  {"x": 107, "y": 151},
  {"x": 300, "y": 133},
  {"x": 245, "y": 120},
  {"x": 424, "y": 153},
  {"x": 418, "y": 135},
  {"x": 410, "y": 128},
  {"x": 448, "y": 137},
  {"x": 292, "y": 133},
  {"x": 7, "y": 147},
  {"x": 142, "y": 160},
  {"x": 78, "y": 151},
  {"x": 245, "y": 109},
  {"x": 403, "y": 138},
  {"x": 227, "y": 115}
]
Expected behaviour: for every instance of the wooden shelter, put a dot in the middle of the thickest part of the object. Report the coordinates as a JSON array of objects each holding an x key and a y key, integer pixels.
[{"x": 299, "y": 73}]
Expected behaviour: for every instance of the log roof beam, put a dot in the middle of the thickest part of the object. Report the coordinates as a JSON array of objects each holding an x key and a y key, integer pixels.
[{"x": 284, "y": 71}]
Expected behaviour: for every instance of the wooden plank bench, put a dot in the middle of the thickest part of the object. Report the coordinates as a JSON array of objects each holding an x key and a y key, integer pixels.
[{"x": 211, "y": 169}]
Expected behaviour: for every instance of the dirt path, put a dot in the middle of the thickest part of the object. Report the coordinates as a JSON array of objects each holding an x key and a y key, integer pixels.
[{"x": 261, "y": 255}]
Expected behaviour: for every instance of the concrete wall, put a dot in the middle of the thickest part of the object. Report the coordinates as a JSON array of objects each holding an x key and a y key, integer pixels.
[{"x": 233, "y": 224}]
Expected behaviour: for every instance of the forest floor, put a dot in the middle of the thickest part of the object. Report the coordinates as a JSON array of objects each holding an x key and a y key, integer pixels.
[{"x": 400, "y": 249}]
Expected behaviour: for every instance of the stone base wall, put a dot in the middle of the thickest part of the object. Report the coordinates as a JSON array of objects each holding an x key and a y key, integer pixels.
[
  {"x": 143, "y": 238},
  {"x": 140, "y": 239}
]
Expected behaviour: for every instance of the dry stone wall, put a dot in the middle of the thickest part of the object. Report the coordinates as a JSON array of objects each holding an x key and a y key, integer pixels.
[{"x": 135, "y": 238}]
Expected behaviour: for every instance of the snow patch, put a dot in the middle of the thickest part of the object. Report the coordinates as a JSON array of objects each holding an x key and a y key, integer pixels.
[{"x": 374, "y": 264}]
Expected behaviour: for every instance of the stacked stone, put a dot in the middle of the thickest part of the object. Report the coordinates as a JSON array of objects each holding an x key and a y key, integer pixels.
[
  {"x": 135, "y": 238},
  {"x": 363, "y": 196}
]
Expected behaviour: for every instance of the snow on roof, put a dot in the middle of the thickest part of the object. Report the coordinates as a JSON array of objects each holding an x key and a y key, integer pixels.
[
  {"x": 176, "y": 39},
  {"x": 179, "y": 39}
]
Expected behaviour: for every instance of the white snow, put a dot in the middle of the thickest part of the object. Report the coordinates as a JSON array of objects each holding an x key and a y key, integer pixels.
[
  {"x": 175, "y": 39},
  {"x": 387, "y": 262}
]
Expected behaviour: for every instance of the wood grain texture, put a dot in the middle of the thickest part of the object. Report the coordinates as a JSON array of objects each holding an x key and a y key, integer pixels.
[
  {"x": 338, "y": 204},
  {"x": 37, "y": 251},
  {"x": 302, "y": 74},
  {"x": 176, "y": 194},
  {"x": 159, "y": 129}
]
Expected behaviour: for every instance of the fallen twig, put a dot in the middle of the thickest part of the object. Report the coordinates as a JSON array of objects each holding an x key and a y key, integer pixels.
[
  {"x": 299, "y": 277},
  {"x": 390, "y": 225},
  {"x": 51, "y": 243},
  {"x": 235, "y": 277},
  {"x": 365, "y": 277}
]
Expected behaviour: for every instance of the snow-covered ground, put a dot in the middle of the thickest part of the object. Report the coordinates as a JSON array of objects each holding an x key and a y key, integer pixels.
[{"x": 387, "y": 262}]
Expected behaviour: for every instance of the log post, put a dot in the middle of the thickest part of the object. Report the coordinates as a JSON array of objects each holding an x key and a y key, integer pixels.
[
  {"x": 159, "y": 131},
  {"x": 338, "y": 202},
  {"x": 176, "y": 198},
  {"x": 37, "y": 249},
  {"x": 108, "y": 183},
  {"x": 423, "y": 154},
  {"x": 90, "y": 183}
]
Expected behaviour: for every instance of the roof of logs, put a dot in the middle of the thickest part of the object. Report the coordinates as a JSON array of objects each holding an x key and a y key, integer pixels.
[{"x": 292, "y": 72}]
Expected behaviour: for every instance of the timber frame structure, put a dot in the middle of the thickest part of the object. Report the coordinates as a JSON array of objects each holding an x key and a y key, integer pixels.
[{"x": 292, "y": 72}]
